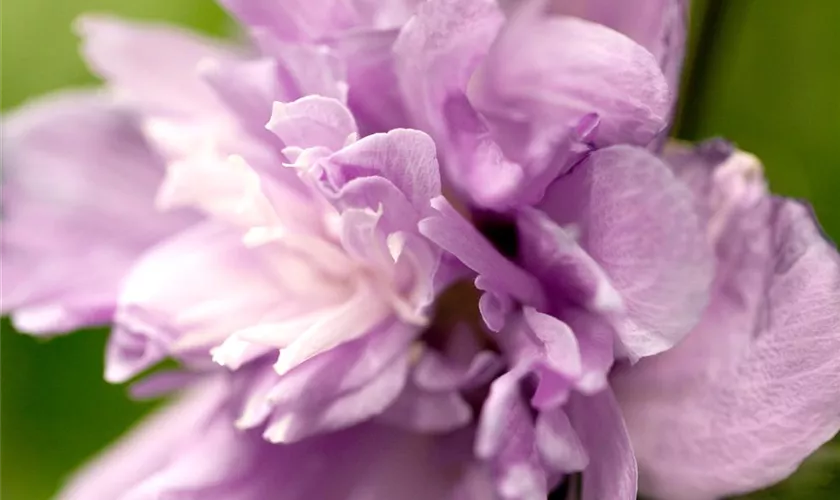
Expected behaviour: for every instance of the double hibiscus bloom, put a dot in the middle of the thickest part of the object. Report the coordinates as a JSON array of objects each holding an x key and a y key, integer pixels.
[{"x": 416, "y": 249}]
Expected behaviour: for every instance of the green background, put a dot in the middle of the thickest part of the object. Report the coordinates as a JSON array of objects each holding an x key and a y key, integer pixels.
[{"x": 767, "y": 76}]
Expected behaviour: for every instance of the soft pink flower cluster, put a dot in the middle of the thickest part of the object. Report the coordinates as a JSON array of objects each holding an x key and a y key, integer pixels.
[{"x": 421, "y": 249}]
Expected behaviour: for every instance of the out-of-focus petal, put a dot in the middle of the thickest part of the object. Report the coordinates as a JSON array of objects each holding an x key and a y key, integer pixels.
[
  {"x": 428, "y": 412},
  {"x": 192, "y": 452},
  {"x": 339, "y": 388},
  {"x": 612, "y": 471},
  {"x": 373, "y": 95},
  {"x": 437, "y": 373},
  {"x": 247, "y": 88},
  {"x": 147, "y": 447},
  {"x": 559, "y": 443},
  {"x": 295, "y": 20},
  {"x": 303, "y": 68},
  {"x": 506, "y": 439},
  {"x": 752, "y": 390},
  {"x": 152, "y": 66},
  {"x": 639, "y": 223},
  {"x": 288, "y": 425},
  {"x": 170, "y": 303},
  {"x": 79, "y": 184}
]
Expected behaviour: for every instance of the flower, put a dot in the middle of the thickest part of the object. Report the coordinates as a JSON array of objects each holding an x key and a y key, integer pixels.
[
  {"x": 752, "y": 390},
  {"x": 414, "y": 248}
]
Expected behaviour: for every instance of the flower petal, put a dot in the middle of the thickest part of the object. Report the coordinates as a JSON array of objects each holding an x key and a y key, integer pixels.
[
  {"x": 549, "y": 72},
  {"x": 313, "y": 121},
  {"x": 454, "y": 234},
  {"x": 147, "y": 447},
  {"x": 291, "y": 424},
  {"x": 152, "y": 66},
  {"x": 506, "y": 438},
  {"x": 170, "y": 303},
  {"x": 660, "y": 26},
  {"x": 639, "y": 223},
  {"x": 612, "y": 471},
  {"x": 374, "y": 95},
  {"x": 436, "y": 52},
  {"x": 558, "y": 442},
  {"x": 404, "y": 157},
  {"x": 247, "y": 88},
  {"x": 296, "y": 19},
  {"x": 78, "y": 208},
  {"x": 570, "y": 275},
  {"x": 753, "y": 389},
  {"x": 428, "y": 412}
]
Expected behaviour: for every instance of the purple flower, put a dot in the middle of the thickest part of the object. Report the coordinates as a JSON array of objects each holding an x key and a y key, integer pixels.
[
  {"x": 752, "y": 390},
  {"x": 520, "y": 288}
]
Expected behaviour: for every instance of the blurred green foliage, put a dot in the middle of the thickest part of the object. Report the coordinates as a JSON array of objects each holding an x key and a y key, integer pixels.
[
  {"x": 772, "y": 85},
  {"x": 770, "y": 81}
]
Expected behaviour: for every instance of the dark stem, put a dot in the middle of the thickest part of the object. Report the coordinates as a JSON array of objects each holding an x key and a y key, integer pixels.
[{"x": 709, "y": 43}]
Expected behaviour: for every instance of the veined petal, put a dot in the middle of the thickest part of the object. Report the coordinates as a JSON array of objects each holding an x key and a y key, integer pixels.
[
  {"x": 567, "y": 271},
  {"x": 752, "y": 390},
  {"x": 638, "y": 222},
  {"x": 436, "y": 53},
  {"x": 313, "y": 121},
  {"x": 404, "y": 157}
]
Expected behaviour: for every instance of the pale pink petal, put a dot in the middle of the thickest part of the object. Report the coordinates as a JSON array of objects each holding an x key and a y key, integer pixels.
[
  {"x": 404, "y": 157},
  {"x": 170, "y": 303},
  {"x": 295, "y": 20},
  {"x": 78, "y": 209},
  {"x": 152, "y": 66},
  {"x": 313, "y": 121}
]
